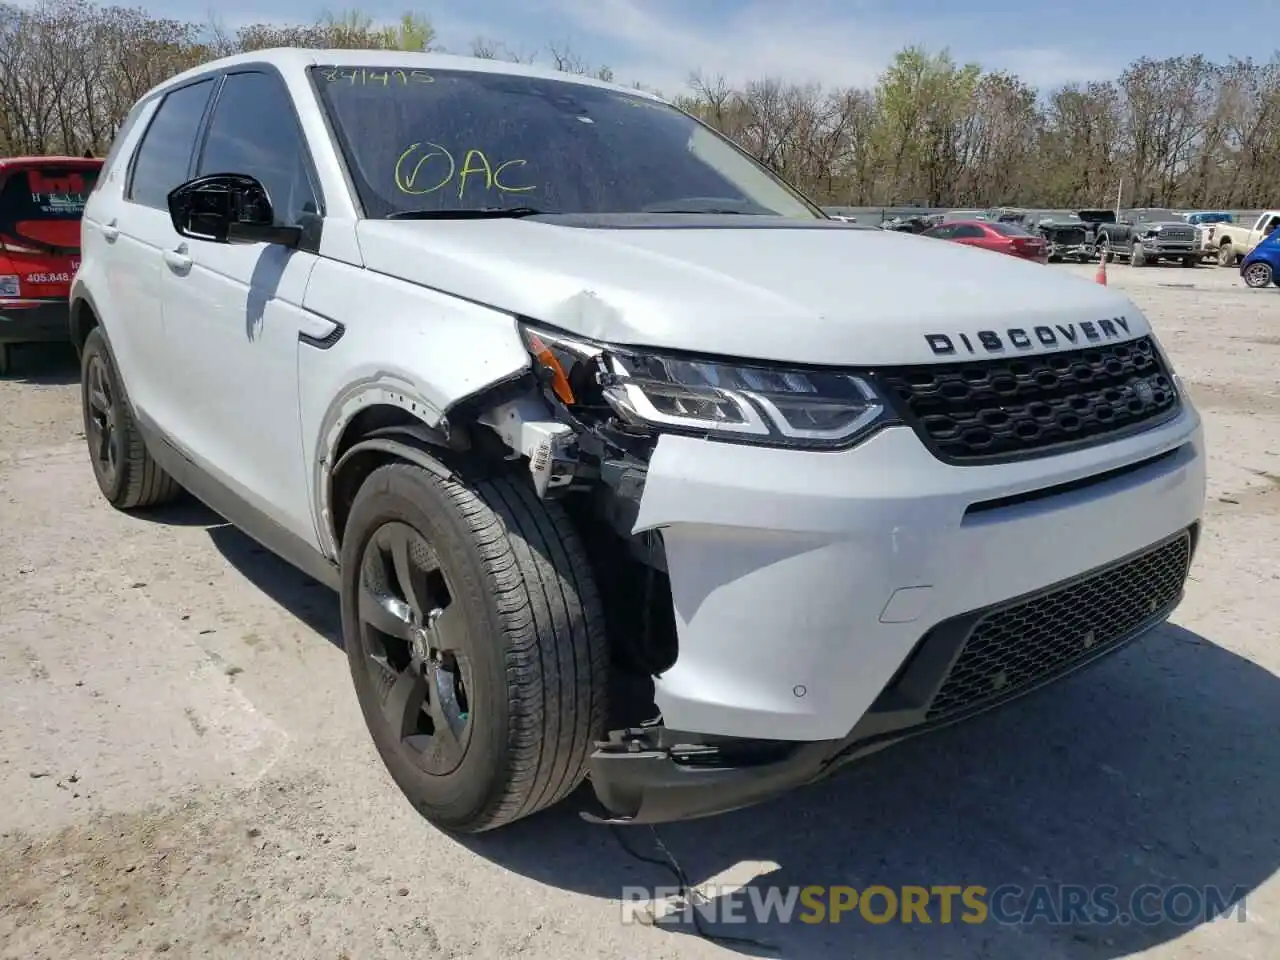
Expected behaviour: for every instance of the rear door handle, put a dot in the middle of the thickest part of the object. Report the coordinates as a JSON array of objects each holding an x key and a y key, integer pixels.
[
  {"x": 110, "y": 230},
  {"x": 177, "y": 259}
]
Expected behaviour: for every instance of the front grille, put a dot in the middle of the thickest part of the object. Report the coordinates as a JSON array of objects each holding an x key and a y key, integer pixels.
[
  {"x": 1019, "y": 646},
  {"x": 1066, "y": 237},
  {"x": 1176, "y": 235},
  {"x": 1011, "y": 408}
]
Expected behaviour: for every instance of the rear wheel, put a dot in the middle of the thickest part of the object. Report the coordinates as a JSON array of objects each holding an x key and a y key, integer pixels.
[
  {"x": 476, "y": 644},
  {"x": 1226, "y": 254},
  {"x": 1258, "y": 274},
  {"x": 127, "y": 475}
]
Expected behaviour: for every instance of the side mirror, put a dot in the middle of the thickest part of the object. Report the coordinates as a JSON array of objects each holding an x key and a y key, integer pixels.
[{"x": 227, "y": 208}]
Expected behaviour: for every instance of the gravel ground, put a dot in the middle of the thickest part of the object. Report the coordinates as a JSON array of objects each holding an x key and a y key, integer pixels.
[{"x": 185, "y": 772}]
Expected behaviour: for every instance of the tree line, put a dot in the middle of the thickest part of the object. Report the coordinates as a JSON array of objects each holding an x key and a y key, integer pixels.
[{"x": 1174, "y": 132}]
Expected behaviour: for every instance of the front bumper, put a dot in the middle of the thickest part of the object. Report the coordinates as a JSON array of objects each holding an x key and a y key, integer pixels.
[
  {"x": 822, "y": 599},
  {"x": 1154, "y": 248},
  {"x": 34, "y": 321}
]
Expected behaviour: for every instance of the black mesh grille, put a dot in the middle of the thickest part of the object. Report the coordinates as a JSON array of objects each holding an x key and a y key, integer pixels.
[
  {"x": 1016, "y": 407},
  {"x": 1020, "y": 646}
]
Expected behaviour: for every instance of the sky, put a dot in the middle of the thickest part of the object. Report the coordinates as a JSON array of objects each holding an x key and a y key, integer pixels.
[{"x": 833, "y": 42}]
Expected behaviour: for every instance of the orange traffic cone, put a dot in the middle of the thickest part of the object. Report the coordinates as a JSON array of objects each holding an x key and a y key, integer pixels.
[{"x": 1101, "y": 275}]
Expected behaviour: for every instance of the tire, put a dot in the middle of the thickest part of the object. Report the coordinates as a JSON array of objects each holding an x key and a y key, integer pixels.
[
  {"x": 6, "y": 359},
  {"x": 1104, "y": 250},
  {"x": 1191, "y": 261},
  {"x": 127, "y": 475},
  {"x": 1137, "y": 256},
  {"x": 1258, "y": 275},
  {"x": 523, "y": 619},
  {"x": 1226, "y": 255}
]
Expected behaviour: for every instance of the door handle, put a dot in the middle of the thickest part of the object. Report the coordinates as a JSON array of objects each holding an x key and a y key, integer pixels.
[
  {"x": 110, "y": 230},
  {"x": 178, "y": 259}
]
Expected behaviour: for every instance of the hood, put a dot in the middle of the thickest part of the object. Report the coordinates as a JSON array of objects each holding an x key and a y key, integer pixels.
[{"x": 761, "y": 288}]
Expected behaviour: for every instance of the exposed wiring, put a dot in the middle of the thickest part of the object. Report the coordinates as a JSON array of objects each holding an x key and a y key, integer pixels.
[{"x": 688, "y": 892}]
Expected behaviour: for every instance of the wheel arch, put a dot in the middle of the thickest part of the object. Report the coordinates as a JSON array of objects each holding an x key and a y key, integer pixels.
[
  {"x": 378, "y": 423},
  {"x": 84, "y": 317}
]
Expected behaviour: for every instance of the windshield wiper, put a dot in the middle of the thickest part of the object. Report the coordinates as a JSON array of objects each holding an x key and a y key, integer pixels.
[{"x": 479, "y": 213}]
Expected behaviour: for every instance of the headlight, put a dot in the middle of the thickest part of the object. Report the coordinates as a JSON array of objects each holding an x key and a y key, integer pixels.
[{"x": 768, "y": 405}]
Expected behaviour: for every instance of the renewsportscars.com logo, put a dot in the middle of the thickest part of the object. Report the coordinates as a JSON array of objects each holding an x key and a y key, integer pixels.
[{"x": 1009, "y": 904}]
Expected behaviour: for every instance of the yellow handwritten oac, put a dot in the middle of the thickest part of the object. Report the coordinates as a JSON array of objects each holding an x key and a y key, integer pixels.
[
  {"x": 406, "y": 174},
  {"x": 409, "y": 166}
]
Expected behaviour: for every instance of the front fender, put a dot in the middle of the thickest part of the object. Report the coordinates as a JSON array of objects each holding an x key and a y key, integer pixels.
[{"x": 402, "y": 345}]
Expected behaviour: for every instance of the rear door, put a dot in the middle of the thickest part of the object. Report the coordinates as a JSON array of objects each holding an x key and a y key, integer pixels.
[
  {"x": 138, "y": 237},
  {"x": 971, "y": 235}
]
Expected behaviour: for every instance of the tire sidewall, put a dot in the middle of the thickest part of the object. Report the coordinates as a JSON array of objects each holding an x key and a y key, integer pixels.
[
  {"x": 95, "y": 347},
  {"x": 409, "y": 494}
]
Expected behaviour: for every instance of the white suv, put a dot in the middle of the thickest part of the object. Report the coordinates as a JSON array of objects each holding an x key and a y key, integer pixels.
[{"x": 626, "y": 461}]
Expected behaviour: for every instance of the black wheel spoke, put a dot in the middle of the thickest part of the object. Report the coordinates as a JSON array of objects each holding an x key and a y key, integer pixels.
[
  {"x": 408, "y": 579},
  {"x": 446, "y": 630},
  {"x": 403, "y": 702},
  {"x": 384, "y": 613},
  {"x": 444, "y": 710}
]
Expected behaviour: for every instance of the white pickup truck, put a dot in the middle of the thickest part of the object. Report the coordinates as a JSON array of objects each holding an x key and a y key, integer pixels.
[{"x": 1232, "y": 241}]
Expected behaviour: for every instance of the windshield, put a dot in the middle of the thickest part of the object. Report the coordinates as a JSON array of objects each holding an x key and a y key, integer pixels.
[{"x": 447, "y": 140}]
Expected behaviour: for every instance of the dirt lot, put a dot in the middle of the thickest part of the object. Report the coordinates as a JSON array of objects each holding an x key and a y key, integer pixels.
[{"x": 185, "y": 773}]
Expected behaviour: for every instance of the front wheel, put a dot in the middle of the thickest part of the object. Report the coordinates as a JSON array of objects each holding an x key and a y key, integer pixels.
[
  {"x": 1258, "y": 275},
  {"x": 1138, "y": 256},
  {"x": 6, "y": 359},
  {"x": 475, "y": 638}
]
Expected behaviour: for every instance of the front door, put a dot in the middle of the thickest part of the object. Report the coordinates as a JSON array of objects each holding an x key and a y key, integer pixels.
[{"x": 233, "y": 312}]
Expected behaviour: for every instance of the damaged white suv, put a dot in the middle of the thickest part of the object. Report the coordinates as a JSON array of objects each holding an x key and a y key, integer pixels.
[{"x": 627, "y": 462}]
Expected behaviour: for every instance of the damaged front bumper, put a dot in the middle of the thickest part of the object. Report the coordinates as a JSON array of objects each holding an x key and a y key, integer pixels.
[{"x": 656, "y": 775}]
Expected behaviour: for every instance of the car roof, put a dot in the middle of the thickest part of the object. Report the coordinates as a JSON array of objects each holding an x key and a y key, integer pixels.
[{"x": 298, "y": 59}]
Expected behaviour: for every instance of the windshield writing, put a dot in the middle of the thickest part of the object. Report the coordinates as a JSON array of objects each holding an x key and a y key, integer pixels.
[
  {"x": 427, "y": 167},
  {"x": 458, "y": 140}
]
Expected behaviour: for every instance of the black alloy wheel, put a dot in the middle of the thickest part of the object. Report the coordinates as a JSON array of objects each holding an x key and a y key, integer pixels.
[
  {"x": 101, "y": 420},
  {"x": 414, "y": 643}
]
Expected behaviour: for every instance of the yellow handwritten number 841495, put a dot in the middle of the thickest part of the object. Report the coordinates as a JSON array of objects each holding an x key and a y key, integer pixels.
[{"x": 427, "y": 167}]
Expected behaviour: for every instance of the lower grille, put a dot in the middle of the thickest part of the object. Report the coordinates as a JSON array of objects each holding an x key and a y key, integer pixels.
[
  {"x": 981, "y": 411},
  {"x": 1016, "y": 647}
]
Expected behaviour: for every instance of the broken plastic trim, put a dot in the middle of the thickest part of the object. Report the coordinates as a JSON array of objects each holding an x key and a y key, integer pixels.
[{"x": 750, "y": 402}]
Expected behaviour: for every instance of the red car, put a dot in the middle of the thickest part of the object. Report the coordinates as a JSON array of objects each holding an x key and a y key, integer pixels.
[
  {"x": 1001, "y": 237},
  {"x": 41, "y": 203}
]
